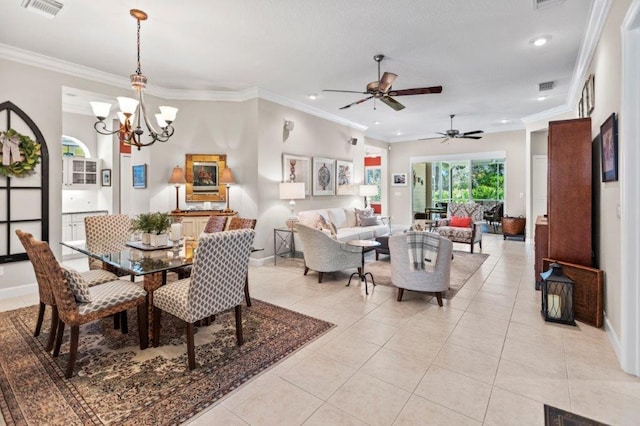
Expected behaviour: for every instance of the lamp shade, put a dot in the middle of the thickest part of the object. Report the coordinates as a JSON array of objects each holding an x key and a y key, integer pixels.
[
  {"x": 292, "y": 191},
  {"x": 368, "y": 190},
  {"x": 226, "y": 177},
  {"x": 177, "y": 176}
]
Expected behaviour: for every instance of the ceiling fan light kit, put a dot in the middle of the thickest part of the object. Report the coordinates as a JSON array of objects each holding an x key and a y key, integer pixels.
[{"x": 381, "y": 89}]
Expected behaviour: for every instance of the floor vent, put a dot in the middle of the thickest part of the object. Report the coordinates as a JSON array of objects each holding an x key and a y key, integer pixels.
[
  {"x": 542, "y": 4},
  {"x": 547, "y": 85},
  {"x": 48, "y": 8}
]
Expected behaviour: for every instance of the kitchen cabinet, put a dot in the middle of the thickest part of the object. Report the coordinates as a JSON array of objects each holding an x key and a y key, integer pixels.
[{"x": 80, "y": 173}]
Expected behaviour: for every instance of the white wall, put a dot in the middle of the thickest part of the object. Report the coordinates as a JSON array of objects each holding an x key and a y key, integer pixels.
[{"x": 513, "y": 143}]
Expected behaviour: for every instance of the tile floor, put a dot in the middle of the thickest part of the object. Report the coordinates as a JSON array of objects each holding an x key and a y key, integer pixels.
[{"x": 486, "y": 357}]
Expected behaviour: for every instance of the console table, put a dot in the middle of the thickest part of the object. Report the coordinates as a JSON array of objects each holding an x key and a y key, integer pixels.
[{"x": 194, "y": 221}]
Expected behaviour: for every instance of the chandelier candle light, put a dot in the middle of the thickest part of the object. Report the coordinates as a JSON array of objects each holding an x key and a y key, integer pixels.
[
  {"x": 226, "y": 178},
  {"x": 367, "y": 191},
  {"x": 292, "y": 191},
  {"x": 177, "y": 178},
  {"x": 133, "y": 111}
]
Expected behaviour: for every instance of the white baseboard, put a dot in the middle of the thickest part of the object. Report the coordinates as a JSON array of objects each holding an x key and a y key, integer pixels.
[
  {"x": 260, "y": 262},
  {"x": 613, "y": 338},
  {"x": 23, "y": 290}
]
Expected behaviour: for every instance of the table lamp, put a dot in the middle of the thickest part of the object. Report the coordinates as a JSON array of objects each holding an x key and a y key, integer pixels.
[
  {"x": 226, "y": 178},
  {"x": 292, "y": 191},
  {"x": 367, "y": 191},
  {"x": 177, "y": 178}
]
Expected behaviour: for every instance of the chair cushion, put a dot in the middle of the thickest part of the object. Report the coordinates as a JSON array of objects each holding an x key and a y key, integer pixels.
[
  {"x": 459, "y": 235},
  {"x": 98, "y": 276},
  {"x": 173, "y": 298},
  {"x": 77, "y": 284},
  {"x": 109, "y": 294},
  {"x": 460, "y": 222}
]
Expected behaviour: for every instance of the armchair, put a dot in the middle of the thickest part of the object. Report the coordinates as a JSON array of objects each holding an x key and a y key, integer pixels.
[
  {"x": 493, "y": 216},
  {"x": 470, "y": 234},
  {"x": 324, "y": 254},
  {"x": 419, "y": 280}
]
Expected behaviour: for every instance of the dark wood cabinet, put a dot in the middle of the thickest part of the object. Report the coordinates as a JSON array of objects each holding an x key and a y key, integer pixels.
[{"x": 569, "y": 191}]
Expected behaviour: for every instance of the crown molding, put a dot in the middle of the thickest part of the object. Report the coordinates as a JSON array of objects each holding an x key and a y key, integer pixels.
[
  {"x": 549, "y": 113},
  {"x": 270, "y": 96}
]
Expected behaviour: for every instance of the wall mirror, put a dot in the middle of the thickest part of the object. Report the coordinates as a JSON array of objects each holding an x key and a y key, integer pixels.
[{"x": 202, "y": 175}]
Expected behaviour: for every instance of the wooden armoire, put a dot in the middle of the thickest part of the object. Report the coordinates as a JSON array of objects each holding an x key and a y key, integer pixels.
[{"x": 569, "y": 191}]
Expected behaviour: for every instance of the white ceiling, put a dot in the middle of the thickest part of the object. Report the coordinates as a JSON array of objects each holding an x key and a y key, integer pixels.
[{"x": 479, "y": 51}]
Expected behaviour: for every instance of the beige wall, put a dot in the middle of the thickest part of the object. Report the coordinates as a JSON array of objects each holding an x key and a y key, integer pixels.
[{"x": 513, "y": 143}]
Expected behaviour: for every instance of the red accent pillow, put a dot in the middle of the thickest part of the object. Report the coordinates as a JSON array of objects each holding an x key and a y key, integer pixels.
[{"x": 460, "y": 222}]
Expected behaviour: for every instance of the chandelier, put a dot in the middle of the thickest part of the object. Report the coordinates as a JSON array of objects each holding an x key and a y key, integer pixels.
[{"x": 133, "y": 111}]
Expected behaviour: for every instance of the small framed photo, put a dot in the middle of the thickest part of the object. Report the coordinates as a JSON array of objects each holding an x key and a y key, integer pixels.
[
  {"x": 139, "y": 176},
  {"x": 399, "y": 179},
  {"x": 324, "y": 170},
  {"x": 106, "y": 177},
  {"x": 609, "y": 149}
]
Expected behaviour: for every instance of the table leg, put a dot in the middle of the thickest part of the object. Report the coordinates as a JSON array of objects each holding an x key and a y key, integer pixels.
[{"x": 151, "y": 283}]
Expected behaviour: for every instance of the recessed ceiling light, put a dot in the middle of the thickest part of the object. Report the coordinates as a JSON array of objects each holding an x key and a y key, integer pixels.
[
  {"x": 399, "y": 133},
  {"x": 541, "y": 98},
  {"x": 376, "y": 122},
  {"x": 312, "y": 96},
  {"x": 541, "y": 40},
  {"x": 504, "y": 121}
]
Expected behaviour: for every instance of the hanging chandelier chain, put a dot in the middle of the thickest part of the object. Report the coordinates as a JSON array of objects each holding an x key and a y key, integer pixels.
[{"x": 138, "y": 70}]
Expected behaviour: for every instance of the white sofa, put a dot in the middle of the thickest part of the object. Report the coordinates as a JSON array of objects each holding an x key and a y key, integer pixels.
[{"x": 345, "y": 221}]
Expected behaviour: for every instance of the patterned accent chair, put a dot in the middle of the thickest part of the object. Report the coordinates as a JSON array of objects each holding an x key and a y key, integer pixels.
[
  {"x": 325, "y": 254},
  {"x": 215, "y": 224},
  {"x": 46, "y": 294},
  {"x": 107, "y": 234},
  {"x": 216, "y": 284},
  {"x": 419, "y": 280},
  {"x": 468, "y": 235},
  {"x": 106, "y": 299}
]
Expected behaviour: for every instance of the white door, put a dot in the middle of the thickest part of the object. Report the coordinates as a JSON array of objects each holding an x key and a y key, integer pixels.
[{"x": 539, "y": 189}]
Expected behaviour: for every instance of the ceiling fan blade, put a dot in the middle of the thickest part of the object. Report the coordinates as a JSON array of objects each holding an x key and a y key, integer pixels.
[
  {"x": 428, "y": 139},
  {"x": 443, "y": 134},
  {"x": 445, "y": 139},
  {"x": 471, "y": 137},
  {"x": 392, "y": 103},
  {"x": 344, "y": 91},
  {"x": 356, "y": 102},
  {"x": 416, "y": 91},
  {"x": 386, "y": 81},
  {"x": 475, "y": 132}
]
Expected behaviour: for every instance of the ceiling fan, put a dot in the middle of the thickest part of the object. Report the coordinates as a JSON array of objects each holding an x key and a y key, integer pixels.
[
  {"x": 381, "y": 89},
  {"x": 456, "y": 134}
]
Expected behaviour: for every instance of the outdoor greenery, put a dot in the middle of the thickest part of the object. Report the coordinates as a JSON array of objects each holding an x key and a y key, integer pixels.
[{"x": 463, "y": 181}]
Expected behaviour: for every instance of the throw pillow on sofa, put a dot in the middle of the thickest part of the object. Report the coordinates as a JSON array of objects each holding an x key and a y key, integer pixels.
[
  {"x": 363, "y": 213},
  {"x": 368, "y": 221},
  {"x": 460, "y": 222}
]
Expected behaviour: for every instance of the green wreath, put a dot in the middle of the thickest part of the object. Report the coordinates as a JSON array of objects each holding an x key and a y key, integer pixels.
[{"x": 29, "y": 155}]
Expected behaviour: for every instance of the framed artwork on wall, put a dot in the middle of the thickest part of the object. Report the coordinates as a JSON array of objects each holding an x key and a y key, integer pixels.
[
  {"x": 399, "y": 179},
  {"x": 139, "y": 176},
  {"x": 106, "y": 177},
  {"x": 202, "y": 174},
  {"x": 609, "y": 149},
  {"x": 323, "y": 176},
  {"x": 344, "y": 177},
  {"x": 373, "y": 176},
  {"x": 296, "y": 168}
]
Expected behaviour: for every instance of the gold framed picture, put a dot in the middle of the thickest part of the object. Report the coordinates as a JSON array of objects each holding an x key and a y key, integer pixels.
[{"x": 202, "y": 175}]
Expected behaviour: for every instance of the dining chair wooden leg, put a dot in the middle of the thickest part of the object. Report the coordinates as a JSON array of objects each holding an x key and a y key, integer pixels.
[
  {"x": 247, "y": 298},
  {"x": 239, "y": 337},
  {"x": 400, "y": 293},
  {"x": 306, "y": 269},
  {"x": 40, "y": 318},
  {"x": 59, "y": 334},
  {"x": 157, "y": 316},
  {"x": 320, "y": 276},
  {"x": 143, "y": 326},
  {"x": 439, "y": 297},
  {"x": 191, "y": 351},
  {"x": 124, "y": 323},
  {"x": 54, "y": 328},
  {"x": 73, "y": 350}
]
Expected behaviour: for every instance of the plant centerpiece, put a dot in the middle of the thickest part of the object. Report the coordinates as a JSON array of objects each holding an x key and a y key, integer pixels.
[{"x": 153, "y": 227}]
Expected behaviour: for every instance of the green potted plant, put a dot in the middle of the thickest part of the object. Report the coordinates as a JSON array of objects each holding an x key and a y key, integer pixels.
[
  {"x": 160, "y": 224},
  {"x": 143, "y": 223}
]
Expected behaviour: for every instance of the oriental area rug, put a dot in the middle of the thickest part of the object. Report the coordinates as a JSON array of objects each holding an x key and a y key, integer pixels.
[
  {"x": 463, "y": 265},
  {"x": 116, "y": 383}
]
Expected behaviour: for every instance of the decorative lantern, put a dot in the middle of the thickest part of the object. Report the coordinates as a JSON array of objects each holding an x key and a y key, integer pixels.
[{"x": 557, "y": 296}]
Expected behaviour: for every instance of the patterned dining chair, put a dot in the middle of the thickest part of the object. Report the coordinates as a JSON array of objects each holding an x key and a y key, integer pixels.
[
  {"x": 44, "y": 290},
  {"x": 216, "y": 285},
  {"x": 242, "y": 223},
  {"x": 78, "y": 304},
  {"x": 107, "y": 233}
]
